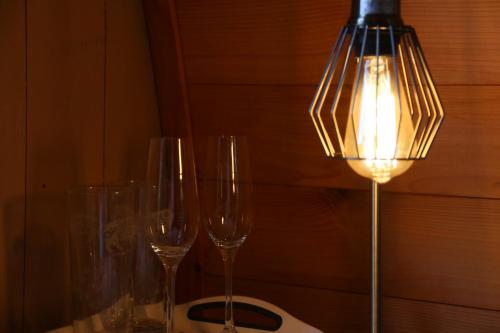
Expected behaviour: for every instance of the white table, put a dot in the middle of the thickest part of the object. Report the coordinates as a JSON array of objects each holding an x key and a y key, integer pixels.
[{"x": 184, "y": 324}]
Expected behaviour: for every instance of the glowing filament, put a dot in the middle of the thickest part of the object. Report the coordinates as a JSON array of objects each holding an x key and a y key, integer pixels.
[{"x": 378, "y": 127}]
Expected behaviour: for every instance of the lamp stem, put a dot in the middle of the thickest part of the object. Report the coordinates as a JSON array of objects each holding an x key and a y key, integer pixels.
[{"x": 375, "y": 263}]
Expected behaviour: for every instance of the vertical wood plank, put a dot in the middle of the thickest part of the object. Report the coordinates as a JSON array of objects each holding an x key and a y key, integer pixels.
[
  {"x": 172, "y": 95},
  {"x": 12, "y": 150},
  {"x": 131, "y": 107},
  {"x": 168, "y": 64},
  {"x": 65, "y": 134}
]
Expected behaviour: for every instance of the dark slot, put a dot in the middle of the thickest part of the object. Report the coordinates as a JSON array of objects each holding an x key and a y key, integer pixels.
[{"x": 246, "y": 315}]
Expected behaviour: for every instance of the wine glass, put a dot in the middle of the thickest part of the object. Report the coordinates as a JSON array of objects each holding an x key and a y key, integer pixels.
[
  {"x": 226, "y": 198},
  {"x": 171, "y": 212}
]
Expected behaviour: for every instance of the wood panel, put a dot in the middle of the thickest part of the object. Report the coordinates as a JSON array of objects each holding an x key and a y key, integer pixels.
[
  {"x": 168, "y": 64},
  {"x": 305, "y": 236},
  {"x": 463, "y": 160},
  {"x": 175, "y": 117},
  {"x": 406, "y": 316},
  {"x": 327, "y": 310},
  {"x": 12, "y": 150},
  {"x": 436, "y": 249},
  {"x": 131, "y": 114},
  {"x": 333, "y": 311},
  {"x": 64, "y": 140},
  {"x": 252, "y": 68},
  {"x": 441, "y": 249},
  {"x": 287, "y": 42}
]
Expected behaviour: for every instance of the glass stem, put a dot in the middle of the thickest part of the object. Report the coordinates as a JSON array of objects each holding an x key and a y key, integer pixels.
[
  {"x": 169, "y": 302},
  {"x": 228, "y": 258}
]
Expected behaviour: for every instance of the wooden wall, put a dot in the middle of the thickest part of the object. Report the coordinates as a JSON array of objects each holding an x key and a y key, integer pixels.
[
  {"x": 77, "y": 107},
  {"x": 251, "y": 68}
]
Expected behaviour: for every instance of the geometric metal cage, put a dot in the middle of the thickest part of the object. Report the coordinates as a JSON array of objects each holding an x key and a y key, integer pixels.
[
  {"x": 381, "y": 71},
  {"x": 377, "y": 106}
]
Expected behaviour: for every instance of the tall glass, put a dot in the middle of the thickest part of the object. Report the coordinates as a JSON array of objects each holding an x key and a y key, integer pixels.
[
  {"x": 227, "y": 204},
  {"x": 172, "y": 211},
  {"x": 148, "y": 271},
  {"x": 102, "y": 234}
]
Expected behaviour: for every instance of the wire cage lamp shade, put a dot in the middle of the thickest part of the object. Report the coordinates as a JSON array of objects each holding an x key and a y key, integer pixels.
[
  {"x": 377, "y": 107},
  {"x": 376, "y": 104}
]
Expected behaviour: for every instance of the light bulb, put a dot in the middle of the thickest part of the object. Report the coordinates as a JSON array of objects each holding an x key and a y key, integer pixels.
[{"x": 380, "y": 130}]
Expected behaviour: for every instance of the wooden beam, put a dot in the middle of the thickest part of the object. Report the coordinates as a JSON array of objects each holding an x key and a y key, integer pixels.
[{"x": 66, "y": 50}]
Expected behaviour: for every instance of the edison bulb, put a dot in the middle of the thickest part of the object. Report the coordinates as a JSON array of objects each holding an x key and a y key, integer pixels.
[{"x": 380, "y": 131}]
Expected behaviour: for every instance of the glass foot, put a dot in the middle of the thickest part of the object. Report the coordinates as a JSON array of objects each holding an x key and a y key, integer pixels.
[
  {"x": 148, "y": 326},
  {"x": 229, "y": 330}
]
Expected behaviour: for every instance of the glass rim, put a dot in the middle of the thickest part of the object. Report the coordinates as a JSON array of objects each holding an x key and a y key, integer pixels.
[
  {"x": 170, "y": 138},
  {"x": 228, "y": 139},
  {"x": 228, "y": 136}
]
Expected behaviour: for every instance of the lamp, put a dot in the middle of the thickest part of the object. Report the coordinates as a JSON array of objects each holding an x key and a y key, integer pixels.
[{"x": 382, "y": 109}]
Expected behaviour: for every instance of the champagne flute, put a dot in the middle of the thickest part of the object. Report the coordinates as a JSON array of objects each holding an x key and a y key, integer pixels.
[
  {"x": 172, "y": 212},
  {"x": 227, "y": 190}
]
